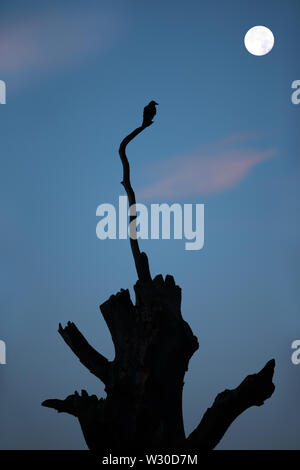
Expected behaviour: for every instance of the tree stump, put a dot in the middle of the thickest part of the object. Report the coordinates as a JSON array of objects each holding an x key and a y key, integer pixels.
[{"x": 144, "y": 382}]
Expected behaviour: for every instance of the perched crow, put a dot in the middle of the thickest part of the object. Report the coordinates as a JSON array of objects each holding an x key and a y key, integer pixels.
[{"x": 149, "y": 113}]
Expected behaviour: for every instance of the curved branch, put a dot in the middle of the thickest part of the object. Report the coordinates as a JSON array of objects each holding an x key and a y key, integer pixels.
[
  {"x": 228, "y": 405},
  {"x": 140, "y": 258}
]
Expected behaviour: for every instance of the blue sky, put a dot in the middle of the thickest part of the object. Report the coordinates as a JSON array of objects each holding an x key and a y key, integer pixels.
[{"x": 78, "y": 75}]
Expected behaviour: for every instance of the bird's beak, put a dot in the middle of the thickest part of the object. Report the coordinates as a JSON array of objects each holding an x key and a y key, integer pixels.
[{"x": 155, "y": 103}]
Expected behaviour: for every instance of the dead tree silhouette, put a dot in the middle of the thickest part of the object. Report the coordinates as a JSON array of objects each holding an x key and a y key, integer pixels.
[{"x": 144, "y": 382}]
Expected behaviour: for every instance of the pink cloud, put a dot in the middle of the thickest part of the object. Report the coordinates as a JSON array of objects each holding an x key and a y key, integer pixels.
[
  {"x": 53, "y": 39},
  {"x": 203, "y": 172}
]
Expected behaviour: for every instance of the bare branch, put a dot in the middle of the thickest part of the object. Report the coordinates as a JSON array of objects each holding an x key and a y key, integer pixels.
[
  {"x": 88, "y": 356},
  {"x": 74, "y": 404},
  {"x": 61, "y": 406},
  {"x": 228, "y": 405},
  {"x": 90, "y": 413},
  {"x": 140, "y": 258}
]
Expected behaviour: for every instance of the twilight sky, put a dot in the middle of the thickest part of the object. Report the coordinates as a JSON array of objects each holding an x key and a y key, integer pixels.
[{"x": 78, "y": 75}]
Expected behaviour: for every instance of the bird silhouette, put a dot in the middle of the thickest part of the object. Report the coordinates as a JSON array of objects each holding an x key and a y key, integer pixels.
[{"x": 149, "y": 113}]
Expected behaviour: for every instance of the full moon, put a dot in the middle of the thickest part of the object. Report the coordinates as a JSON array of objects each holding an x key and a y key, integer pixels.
[{"x": 259, "y": 40}]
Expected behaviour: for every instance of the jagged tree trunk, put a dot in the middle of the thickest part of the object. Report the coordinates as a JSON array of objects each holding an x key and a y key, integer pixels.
[{"x": 144, "y": 382}]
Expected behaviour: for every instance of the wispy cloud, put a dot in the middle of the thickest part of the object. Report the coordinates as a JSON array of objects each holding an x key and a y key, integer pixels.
[
  {"x": 52, "y": 39},
  {"x": 215, "y": 169}
]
